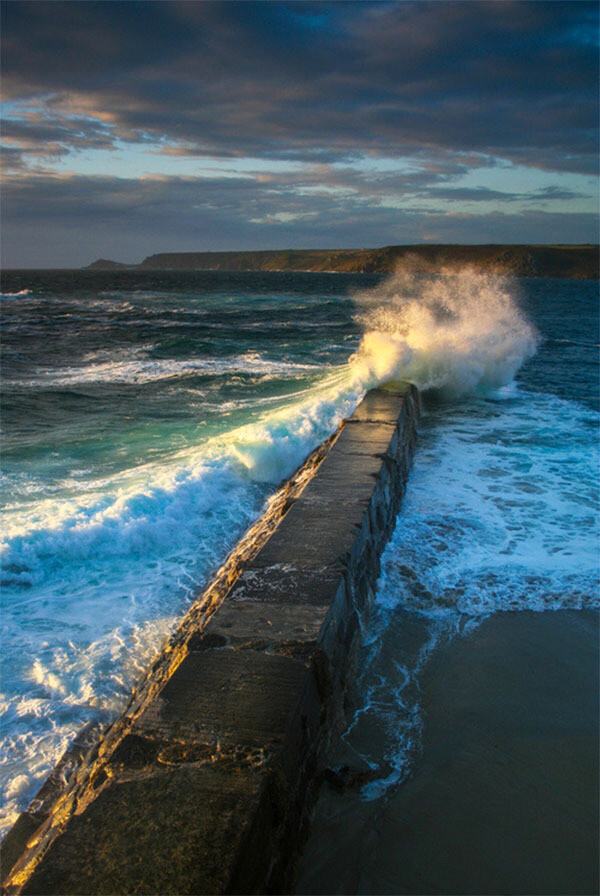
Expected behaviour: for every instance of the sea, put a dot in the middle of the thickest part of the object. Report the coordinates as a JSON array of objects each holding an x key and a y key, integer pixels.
[{"x": 147, "y": 417}]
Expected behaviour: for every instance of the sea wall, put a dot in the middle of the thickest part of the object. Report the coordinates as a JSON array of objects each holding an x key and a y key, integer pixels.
[{"x": 206, "y": 782}]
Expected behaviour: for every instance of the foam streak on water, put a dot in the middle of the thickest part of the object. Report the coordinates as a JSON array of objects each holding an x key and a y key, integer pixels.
[
  {"x": 501, "y": 514},
  {"x": 149, "y": 417}
]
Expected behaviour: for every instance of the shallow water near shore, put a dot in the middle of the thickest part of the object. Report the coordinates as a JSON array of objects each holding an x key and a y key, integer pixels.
[
  {"x": 473, "y": 736},
  {"x": 502, "y": 794},
  {"x": 148, "y": 417}
]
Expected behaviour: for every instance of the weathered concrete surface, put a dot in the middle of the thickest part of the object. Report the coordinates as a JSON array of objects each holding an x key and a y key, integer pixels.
[{"x": 205, "y": 784}]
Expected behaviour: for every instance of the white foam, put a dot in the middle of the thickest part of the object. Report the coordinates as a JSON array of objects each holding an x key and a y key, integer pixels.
[
  {"x": 501, "y": 512},
  {"x": 457, "y": 332},
  {"x": 15, "y": 295},
  {"x": 146, "y": 370},
  {"x": 73, "y": 683}
]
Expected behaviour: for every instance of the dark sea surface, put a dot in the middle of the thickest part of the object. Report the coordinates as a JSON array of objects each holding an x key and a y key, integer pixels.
[{"x": 148, "y": 416}]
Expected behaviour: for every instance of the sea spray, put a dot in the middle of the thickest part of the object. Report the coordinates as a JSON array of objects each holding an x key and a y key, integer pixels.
[
  {"x": 501, "y": 511},
  {"x": 134, "y": 469},
  {"x": 95, "y": 577},
  {"x": 457, "y": 331},
  {"x": 501, "y": 514}
]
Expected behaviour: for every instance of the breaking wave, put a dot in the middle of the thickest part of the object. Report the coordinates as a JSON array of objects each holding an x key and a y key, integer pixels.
[
  {"x": 458, "y": 332},
  {"x": 100, "y": 579},
  {"x": 101, "y": 568},
  {"x": 151, "y": 508},
  {"x": 15, "y": 295}
]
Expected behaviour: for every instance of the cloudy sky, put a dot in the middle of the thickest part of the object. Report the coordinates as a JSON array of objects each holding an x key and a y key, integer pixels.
[{"x": 136, "y": 127}]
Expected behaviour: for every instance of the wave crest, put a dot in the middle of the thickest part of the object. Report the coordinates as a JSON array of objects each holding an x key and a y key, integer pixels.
[{"x": 15, "y": 295}]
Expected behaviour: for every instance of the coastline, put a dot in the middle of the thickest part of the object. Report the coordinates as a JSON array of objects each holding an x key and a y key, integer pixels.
[
  {"x": 561, "y": 261},
  {"x": 504, "y": 796}
]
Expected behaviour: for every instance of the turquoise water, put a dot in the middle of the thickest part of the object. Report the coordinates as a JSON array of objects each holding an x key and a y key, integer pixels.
[{"x": 147, "y": 417}]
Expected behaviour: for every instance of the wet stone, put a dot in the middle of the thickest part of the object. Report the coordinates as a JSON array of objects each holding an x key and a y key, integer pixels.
[
  {"x": 135, "y": 751},
  {"x": 209, "y": 789},
  {"x": 238, "y": 621},
  {"x": 177, "y": 832},
  {"x": 226, "y": 696}
]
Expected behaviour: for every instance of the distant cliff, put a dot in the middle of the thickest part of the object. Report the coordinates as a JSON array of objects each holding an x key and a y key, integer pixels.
[
  {"x": 522, "y": 261},
  {"x": 105, "y": 264}
]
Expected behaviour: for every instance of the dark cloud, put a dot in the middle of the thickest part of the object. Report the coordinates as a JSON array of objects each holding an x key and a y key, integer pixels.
[
  {"x": 452, "y": 87},
  {"x": 484, "y": 194},
  {"x": 514, "y": 80},
  {"x": 29, "y": 140}
]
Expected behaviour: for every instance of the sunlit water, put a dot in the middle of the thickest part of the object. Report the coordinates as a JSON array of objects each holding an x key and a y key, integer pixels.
[{"x": 147, "y": 418}]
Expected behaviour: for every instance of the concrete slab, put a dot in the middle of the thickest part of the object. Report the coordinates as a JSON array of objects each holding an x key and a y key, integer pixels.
[
  {"x": 381, "y": 406},
  {"x": 175, "y": 832},
  {"x": 320, "y": 540},
  {"x": 224, "y": 696},
  {"x": 288, "y": 584},
  {"x": 365, "y": 438},
  {"x": 242, "y": 621},
  {"x": 359, "y": 469}
]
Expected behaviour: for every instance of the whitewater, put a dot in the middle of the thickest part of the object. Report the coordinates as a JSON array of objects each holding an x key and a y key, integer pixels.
[{"x": 147, "y": 418}]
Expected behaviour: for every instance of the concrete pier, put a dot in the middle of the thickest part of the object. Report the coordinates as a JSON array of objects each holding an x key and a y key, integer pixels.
[{"x": 206, "y": 782}]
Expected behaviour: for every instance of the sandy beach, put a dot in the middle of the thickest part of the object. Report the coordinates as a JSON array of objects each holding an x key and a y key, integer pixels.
[{"x": 504, "y": 798}]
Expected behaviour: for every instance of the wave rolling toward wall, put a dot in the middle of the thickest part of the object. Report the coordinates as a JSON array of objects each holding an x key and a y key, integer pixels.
[{"x": 100, "y": 564}]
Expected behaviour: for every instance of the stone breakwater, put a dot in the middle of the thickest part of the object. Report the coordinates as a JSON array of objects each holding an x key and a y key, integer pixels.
[{"x": 206, "y": 782}]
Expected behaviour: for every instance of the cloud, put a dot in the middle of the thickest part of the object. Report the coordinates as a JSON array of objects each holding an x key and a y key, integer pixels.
[
  {"x": 340, "y": 124},
  {"x": 83, "y": 218},
  {"x": 484, "y": 194},
  {"x": 305, "y": 81}
]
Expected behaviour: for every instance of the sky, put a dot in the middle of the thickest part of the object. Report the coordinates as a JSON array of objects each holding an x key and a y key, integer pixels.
[{"x": 131, "y": 128}]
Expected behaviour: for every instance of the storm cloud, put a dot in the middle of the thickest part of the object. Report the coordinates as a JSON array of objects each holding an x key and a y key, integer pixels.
[{"x": 377, "y": 108}]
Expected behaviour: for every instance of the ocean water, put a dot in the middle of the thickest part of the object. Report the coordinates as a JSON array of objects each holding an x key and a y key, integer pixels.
[
  {"x": 147, "y": 418},
  {"x": 501, "y": 513}
]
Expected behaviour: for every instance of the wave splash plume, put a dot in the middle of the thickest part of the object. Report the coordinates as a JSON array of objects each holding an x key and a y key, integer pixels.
[
  {"x": 457, "y": 332},
  {"x": 501, "y": 510},
  {"x": 100, "y": 562}
]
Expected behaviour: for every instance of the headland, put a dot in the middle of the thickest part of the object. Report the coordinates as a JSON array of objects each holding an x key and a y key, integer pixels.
[{"x": 576, "y": 261}]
